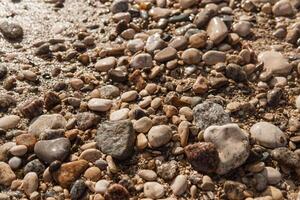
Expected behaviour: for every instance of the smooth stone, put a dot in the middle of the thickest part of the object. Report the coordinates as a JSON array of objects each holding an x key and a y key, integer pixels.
[
  {"x": 15, "y": 162},
  {"x": 213, "y": 57},
  {"x": 26, "y": 139},
  {"x": 268, "y": 135},
  {"x": 119, "y": 6},
  {"x": 129, "y": 96},
  {"x": 116, "y": 138},
  {"x": 116, "y": 191},
  {"x": 18, "y": 150},
  {"x": 154, "y": 42},
  {"x": 4, "y": 150},
  {"x": 167, "y": 54},
  {"x": 6, "y": 174},
  {"x": 101, "y": 186},
  {"x": 91, "y": 155},
  {"x": 283, "y": 8},
  {"x": 86, "y": 120},
  {"x": 274, "y": 192},
  {"x": 51, "y": 150},
  {"x": 147, "y": 174},
  {"x": 198, "y": 40},
  {"x": 191, "y": 56},
  {"x": 30, "y": 183},
  {"x": 242, "y": 28},
  {"x": 154, "y": 190},
  {"x": 109, "y": 92},
  {"x": 298, "y": 102},
  {"x": 273, "y": 175},
  {"x": 184, "y": 4},
  {"x": 9, "y": 121},
  {"x": 179, "y": 185},
  {"x": 135, "y": 45},
  {"x": 142, "y": 125},
  {"x": 34, "y": 166},
  {"x": 158, "y": 13},
  {"x": 100, "y": 105},
  {"x": 11, "y": 30},
  {"x": 141, "y": 61},
  {"x": 119, "y": 114},
  {"x": 106, "y": 64},
  {"x": 159, "y": 135},
  {"x": 47, "y": 122},
  {"x": 179, "y": 43},
  {"x": 275, "y": 63},
  {"x": 217, "y": 30},
  {"x": 286, "y": 157},
  {"x": 232, "y": 144},
  {"x": 78, "y": 189}
]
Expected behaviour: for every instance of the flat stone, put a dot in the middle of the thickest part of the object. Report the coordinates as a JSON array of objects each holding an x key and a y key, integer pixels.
[
  {"x": 27, "y": 140},
  {"x": 6, "y": 174},
  {"x": 159, "y": 135},
  {"x": 105, "y": 64},
  {"x": 283, "y": 8},
  {"x": 91, "y": 155},
  {"x": 154, "y": 190},
  {"x": 179, "y": 43},
  {"x": 142, "y": 125},
  {"x": 179, "y": 185},
  {"x": 116, "y": 138},
  {"x": 141, "y": 61},
  {"x": 217, "y": 30},
  {"x": 274, "y": 63},
  {"x": 168, "y": 53},
  {"x": 18, "y": 150},
  {"x": 100, "y": 105},
  {"x": 129, "y": 96},
  {"x": 268, "y": 135},
  {"x": 198, "y": 40},
  {"x": 47, "y": 122},
  {"x": 191, "y": 56},
  {"x": 213, "y": 57},
  {"x": 9, "y": 121},
  {"x": 51, "y": 150},
  {"x": 135, "y": 45},
  {"x": 232, "y": 145}
]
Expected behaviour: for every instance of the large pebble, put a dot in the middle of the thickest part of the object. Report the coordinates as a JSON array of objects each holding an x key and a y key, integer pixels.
[
  {"x": 283, "y": 8},
  {"x": 232, "y": 145},
  {"x": 166, "y": 54},
  {"x": 18, "y": 150},
  {"x": 268, "y": 135},
  {"x": 77, "y": 189},
  {"x": 6, "y": 174},
  {"x": 9, "y": 121},
  {"x": 101, "y": 105},
  {"x": 217, "y": 30},
  {"x": 109, "y": 92},
  {"x": 286, "y": 157},
  {"x": 119, "y": 114},
  {"x": 154, "y": 190},
  {"x": 141, "y": 61},
  {"x": 213, "y": 57},
  {"x": 106, "y": 64},
  {"x": 101, "y": 186},
  {"x": 159, "y": 135},
  {"x": 273, "y": 175},
  {"x": 147, "y": 174},
  {"x": 30, "y": 183},
  {"x": 142, "y": 125},
  {"x": 187, "y": 3},
  {"x": 191, "y": 56},
  {"x": 242, "y": 28},
  {"x": 116, "y": 192},
  {"x": 11, "y": 30},
  {"x": 179, "y": 185},
  {"x": 119, "y": 6}
]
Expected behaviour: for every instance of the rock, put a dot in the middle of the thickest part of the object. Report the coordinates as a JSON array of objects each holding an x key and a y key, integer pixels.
[
  {"x": 18, "y": 150},
  {"x": 198, "y": 40},
  {"x": 101, "y": 186},
  {"x": 234, "y": 190},
  {"x": 116, "y": 192},
  {"x": 109, "y": 92},
  {"x": 87, "y": 120},
  {"x": 274, "y": 96},
  {"x": 298, "y": 102},
  {"x": 69, "y": 172},
  {"x": 167, "y": 54},
  {"x": 203, "y": 156},
  {"x": 286, "y": 157},
  {"x": 9, "y": 121},
  {"x": 147, "y": 174},
  {"x": 142, "y": 125},
  {"x": 3, "y": 71},
  {"x": 30, "y": 183},
  {"x": 119, "y": 6},
  {"x": 242, "y": 28},
  {"x": 275, "y": 193},
  {"x": 15, "y": 163},
  {"x": 283, "y": 8},
  {"x": 154, "y": 42},
  {"x": 100, "y": 105},
  {"x": 235, "y": 72},
  {"x": 209, "y": 113},
  {"x": 274, "y": 63},
  {"x": 34, "y": 166},
  {"x": 6, "y": 174},
  {"x": 268, "y": 135},
  {"x": 179, "y": 43},
  {"x": 272, "y": 175},
  {"x": 51, "y": 100},
  {"x": 129, "y": 96},
  {"x": 217, "y": 30},
  {"x": 11, "y": 30},
  {"x": 154, "y": 190},
  {"x": 119, "y": 114},
  {"x": 168, "y": 170},
  {"x": 179, "y": 185},
  {"x": 184, "y": 4},
  {"x": 191, "y": 56},
  {"x": 91, "y": 155},
  {"x": 203, "y": 17},
  {"x": 158, "y": 13},
  {"x": 32, "y": 108},
  {"x": 26, "y": 139},
  {"x": 135, "y": 45},
  {"x": 105, "y": 64},
  {"x": 51, "y": 150},
  {"x": 141, "y": 61},
  {"x": 78, "y": 189},
  {"x": 201, "y": 85},
  {"x": 159, "y": 135},
  {"x": 207, "y": 184},
  {"x": 6, "y": 101},
  {"x": 93, "y": 174},
  {"x": 47, "y": 122},
  {"x": 116, "y": 138},
  {"x": 232, "y": 145},
  {"x": 213, "y": 57}
]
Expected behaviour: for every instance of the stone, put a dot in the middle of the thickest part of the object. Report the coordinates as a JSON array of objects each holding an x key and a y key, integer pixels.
[
  {"x": 141, "y": 141},
  {"x": 147, "y": 174},
  {"x": 272, "y": 175},
  {"x": 234, "y": 190},
  {"x": 157, "y": 13},
  {"x": 135, "y": 45},
  {"x": 9, "y": 121},
  {"x": 242, "y": 28},
  {"x": 168, "y": 170},
  {"x": 274, "y": 96},
  {"x": 116, "y": 138},
  {"x": 34, "y": 166},
  {"x": 154, "y": 42},
  {"x": 76, "y": 83},
  {"x": 129, "y": 96},
  {"x": 109, "y": 92},
  {"x": 51, "y": 150},
  {"x": 166, "y": 54},
  {"x": 142, "y": 125},
  {"x": 213, "y": 57},
  {"x": 217, "y": 31},
  {"x": 207, "y": 184},
  {"x": 198, "y": 40},
  {"x": 26, "y": 139},
  {"x": 179, "y": 42},
  {"x": 51, "y": 99},
  {"x": 93, "y": 174},
  {"x": 18, "y": 150},
  {"x": 159, "y": 135},
  {"x": 32, "y": 108},
  {"x": 203, "y": 156},
  {"x": 87, "y": 120},
  {"x": 286, "y": 157},
  {"x": 69, "y": 172},
  {"x": 119, "y": 6},
  {"x": 30, "y": 183},
  {"x": 119, "y": 114},
  {"x": 202, "y": 18},
  {"x": 116, "y": 192},
  {"x": 191, "y": 56},
  {"x": 235, "y": 72},
  {"x": 6, "y": 174},
  {"x": 78, "y": 189},
  {"x": 101, "y": 186},
  {"x": 141, "y": 61},
  {"x": 100, "y": 105},
  {"x": 15, "y": 163},
  {"x": 209, "y": 113},
  {"x": 231, "y": 143},
  {"x": 47, "y": 122},
  {"x": 275, "y": 193},
  {"x": 179, "y": 185},
  {"x": 274, "y": 63},
  {"x": 105, "y": 64},
  {"x": 11, "y": 30},
  {"x": 154, "y": 190},
  {"x": 298, "y": 102},
  {"x": 91, "y": 155},
  {"x": 268, "y": 135},
  {"x": 6, "y": 101},
  {"x": 283, "y": 8},
  {"x": 3, "y": 71},
  {"x": 184, "y": 4}
]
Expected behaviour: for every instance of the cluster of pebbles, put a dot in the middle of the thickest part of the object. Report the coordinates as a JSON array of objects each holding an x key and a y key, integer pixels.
[{"x": 167, "y": 99}]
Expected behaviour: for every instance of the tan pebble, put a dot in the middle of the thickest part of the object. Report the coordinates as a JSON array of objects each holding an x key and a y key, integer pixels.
[
  {"x": 93, "y": 174},
  {"x": 112, "y": 165},
  {"x": 183, "y": 131},
  {"x": 141, "y": 141}
]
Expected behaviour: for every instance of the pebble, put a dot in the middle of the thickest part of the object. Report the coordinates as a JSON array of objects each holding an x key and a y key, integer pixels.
[
  {"x": 286, "y": 157},
  {"x": 93, "y": 174},
  {"x": 86, "y": 120},
  {"x": 147, "y": 174},
  {"x": 32, "y": 108},
  {"x": 157, "y": 13},
  {"x": 159, "y": 135},
  {"x": 11, "y": 30},
  {"x": 15, "y": 163},
  {"x": 154, "y": 42},
  {"x": 135, "y": 45},
  {"x": 109, "y": 92},
  {"x": 119, "y": 114},
  {"x": 18, "y": 150},
  {"x": 141, "y": 141},
  {"x": 51, "y": 150},
  {"x": 142, "y": 125},
  {"x": 3, "y": 71},
  {"x": 198, "y": 40},
  {"x": 234, "y": 190},
  {"x": 91, "y": 155},
  {"x": 116, "y": 138},
  {"x": 179, "y": 42},
  {"x": 119, "y": 6},
  {"x": 6, "y": 174},
  {"x": 100, "y": 105},
  {"x": 275, "y": 193},
  {"x": 154, "y": 190},
  {"x": 179, "y": 185},
  {"x": 78, "y": 189},
  {"x": 141, "y": 61},
  {"x": 217, "y": 31},
  {"x": 298, "y": 102},
  {"x": 106, "y": 64},
  {"x": 34, "y": 166},
  {"x": 213, "y": 57},
  {"x": 9, "y": 121},
  {"x": 268, "y": 135},
  {"x": 116, "y": 192},
  {"x": 273, "y": 175},
  {"x": 30, "y": 183},
  {"x": 101, "y": 186},
  {"x": 207, "y": 184},
  {"x": 167, "y": 170},
  {"x": 283, "y": 8},
  {"x": 166, "y": 54},
  {"x": 47, "y": 122},
  {"x": 209, "y": 113},
  {"x": 242, "y": 28},
  {"x": 129, "y": 96},
  {"x": 231, "y": 143},
  {"x": 187, "y": 3},
  {"x": 191, "y": 56}
]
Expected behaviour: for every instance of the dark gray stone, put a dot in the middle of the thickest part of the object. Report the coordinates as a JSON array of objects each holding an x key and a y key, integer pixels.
[
  {"x": 87, "y": 120},
  {"x": 34, "y": 166},
  {"x": 286, "y": 157},
  {"x": 11, "y": 30},
  {"x": 77, "y": 189}
]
